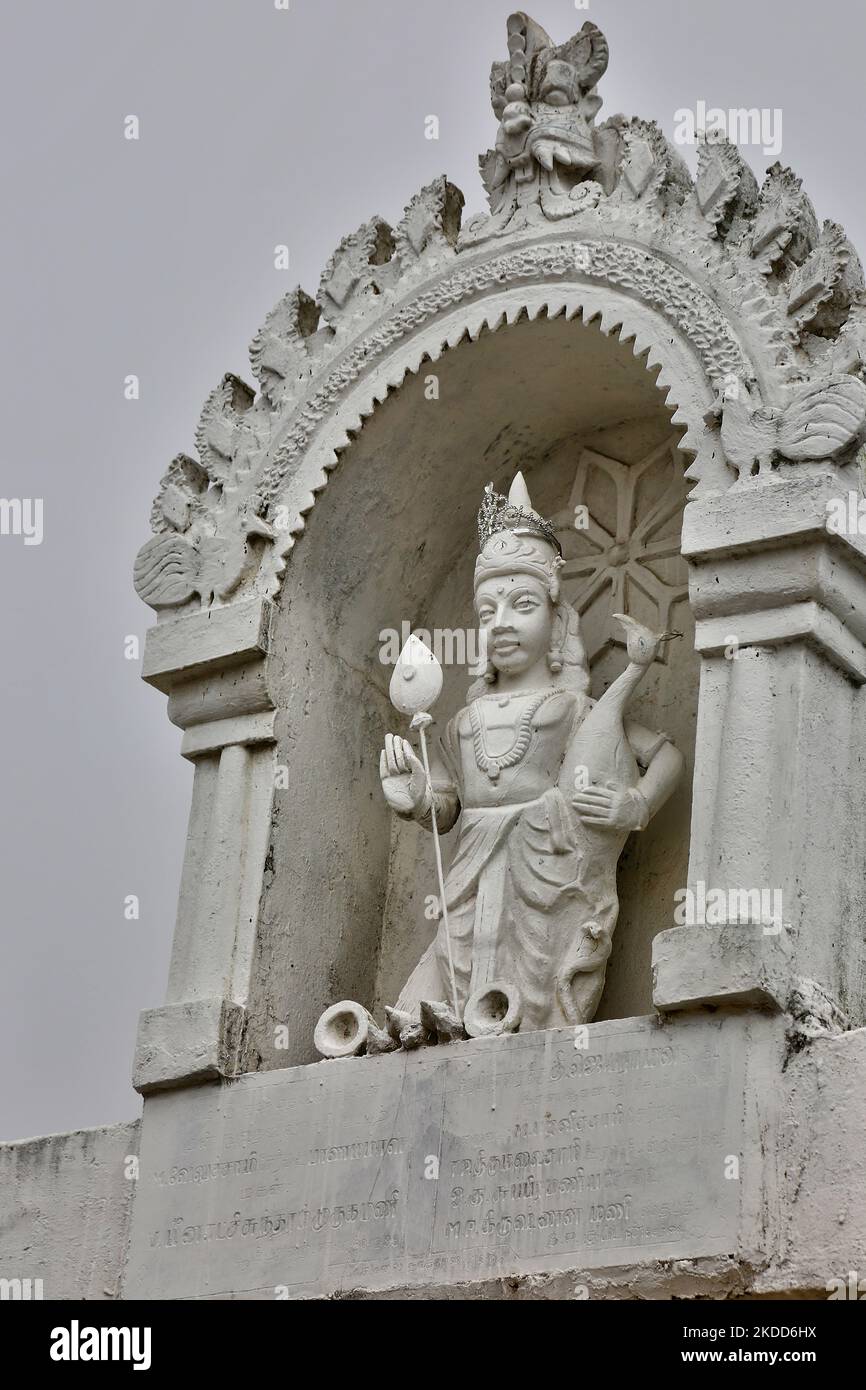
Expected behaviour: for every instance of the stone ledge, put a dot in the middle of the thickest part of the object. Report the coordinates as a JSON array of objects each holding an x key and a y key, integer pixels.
[
  {"x": 247, "y": 729},
  {"x": 795, "y": 622},
  {"x": 201, "y": 642},
  {"x": 184, "y": 1044},
  {"x": 730, "y": 586},
  {"x": 549, "y": 1157},
  {"x": 733, "y": 964},
  {"x": 752, "y": 518}
]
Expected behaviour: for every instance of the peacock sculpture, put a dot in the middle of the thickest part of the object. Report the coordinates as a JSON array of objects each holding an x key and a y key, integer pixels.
[{"x": 170, "y": 569}]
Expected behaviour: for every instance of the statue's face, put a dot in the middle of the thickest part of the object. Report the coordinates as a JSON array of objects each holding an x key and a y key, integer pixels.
[{"x": 515, "y": 613}]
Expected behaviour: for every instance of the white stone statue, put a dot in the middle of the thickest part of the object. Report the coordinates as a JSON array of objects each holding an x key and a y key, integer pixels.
[{"x": 547, "y": 785}]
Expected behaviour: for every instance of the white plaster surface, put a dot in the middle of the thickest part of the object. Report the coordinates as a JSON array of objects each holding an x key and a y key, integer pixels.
[
  {"x": 306, "y": 1139},
  {"x": 64, "y": 1209},
  {"x": 313, "y": 1179},
  {"x": 372, "y": 1177}
]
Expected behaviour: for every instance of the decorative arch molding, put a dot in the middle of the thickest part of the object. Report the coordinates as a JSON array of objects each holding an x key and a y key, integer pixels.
[
  {"x": 607, "y": 222},
  {"x": 264, "y": 459},
  {"x": 393, "y": 299},
  {"x": 631, "y": 293}
]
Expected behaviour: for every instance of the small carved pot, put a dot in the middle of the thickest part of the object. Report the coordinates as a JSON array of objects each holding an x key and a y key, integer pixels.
[
  {"x": 496, "y": 1008},
  {"x": 342, "y": 1030}
]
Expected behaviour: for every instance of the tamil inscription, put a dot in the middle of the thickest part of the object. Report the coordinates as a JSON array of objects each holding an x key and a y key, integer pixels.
[{"x": 530, "y": 1153}]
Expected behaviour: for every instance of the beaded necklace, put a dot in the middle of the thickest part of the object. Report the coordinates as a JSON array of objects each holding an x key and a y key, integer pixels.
[{"x": 494, "y": 766}]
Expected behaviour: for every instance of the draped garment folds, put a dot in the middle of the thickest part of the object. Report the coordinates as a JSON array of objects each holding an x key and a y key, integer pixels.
[{"x": 531, "y": 890}]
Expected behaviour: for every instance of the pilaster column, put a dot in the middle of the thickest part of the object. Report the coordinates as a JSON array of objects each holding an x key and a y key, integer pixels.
[
  {"x": 780, "y": 608},
  {"x": 212, "y": 665}
]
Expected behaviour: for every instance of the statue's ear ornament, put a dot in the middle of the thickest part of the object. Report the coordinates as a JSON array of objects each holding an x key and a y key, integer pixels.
[{"x": 556, "y": 565}]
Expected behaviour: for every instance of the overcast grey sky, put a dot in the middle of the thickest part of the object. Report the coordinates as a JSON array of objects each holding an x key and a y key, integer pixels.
[{"x": 155, "y": 257}]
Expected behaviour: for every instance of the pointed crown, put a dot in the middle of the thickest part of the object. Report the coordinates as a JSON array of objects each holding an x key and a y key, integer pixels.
[
  {"x": 512, "y": 513},
  {"x": 514, "y": 539}
]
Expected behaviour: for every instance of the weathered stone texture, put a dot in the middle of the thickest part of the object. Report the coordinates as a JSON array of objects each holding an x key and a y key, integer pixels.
[{"x": 64, "y": 1210}]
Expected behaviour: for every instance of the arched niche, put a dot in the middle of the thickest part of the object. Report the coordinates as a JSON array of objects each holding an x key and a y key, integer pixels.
[
  {"x": 336, "y": 501},
  {"x": 391, "y": 542}
]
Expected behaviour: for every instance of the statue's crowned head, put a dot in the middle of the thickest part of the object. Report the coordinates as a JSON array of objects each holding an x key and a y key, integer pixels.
[
  {"x": 515, "y": 539},
  {"x": 518, "y": 569}
]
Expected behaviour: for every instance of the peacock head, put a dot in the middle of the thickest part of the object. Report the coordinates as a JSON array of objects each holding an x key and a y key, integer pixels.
[{"x": 641, "y": 643}]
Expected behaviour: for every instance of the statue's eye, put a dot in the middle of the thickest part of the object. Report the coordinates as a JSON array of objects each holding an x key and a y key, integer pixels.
[{"x": 485, "y": 615}]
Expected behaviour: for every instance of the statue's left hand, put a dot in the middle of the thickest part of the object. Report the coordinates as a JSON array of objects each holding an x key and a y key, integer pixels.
[{"x": 612, "y": 807}]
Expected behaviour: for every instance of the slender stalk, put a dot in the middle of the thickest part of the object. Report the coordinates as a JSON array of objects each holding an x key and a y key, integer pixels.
[{"x": 438, "y": 854}]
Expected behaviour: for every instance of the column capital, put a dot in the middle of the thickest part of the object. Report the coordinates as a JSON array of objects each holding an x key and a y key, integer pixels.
[
  {"x": 768, "y": 567},
  {"x": 182, "y": 1044},
  {"x": 738, "y": 964},
  {"x": 205, "y": 642}
]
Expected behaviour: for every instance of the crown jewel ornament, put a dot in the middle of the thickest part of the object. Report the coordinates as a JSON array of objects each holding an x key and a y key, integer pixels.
[
  {"x": 512, "y": 513},
  {"x": 516, "y": 540}
]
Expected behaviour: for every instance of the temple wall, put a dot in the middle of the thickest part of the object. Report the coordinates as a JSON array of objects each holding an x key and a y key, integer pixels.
[
  {"x": 792, "y": 1112},
  {"x": 704, "y": 1155},
  {"x": 65, "y": 1202}
]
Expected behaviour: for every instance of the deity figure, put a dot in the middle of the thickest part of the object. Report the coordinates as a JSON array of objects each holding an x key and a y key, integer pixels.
[{"x": 546, "y": 783}]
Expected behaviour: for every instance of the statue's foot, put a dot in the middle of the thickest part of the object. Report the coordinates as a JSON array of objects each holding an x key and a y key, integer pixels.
[
  {"x": 441, "y": 1020},
  {"x": 406, "y": 1030},
  {"x": 416, "y": 1035},
  {"x": 396, "y": 1020},
  {"x": 380, "y": 1040}
]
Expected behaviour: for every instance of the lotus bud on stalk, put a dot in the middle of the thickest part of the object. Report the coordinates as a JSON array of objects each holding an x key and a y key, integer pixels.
[{"x": 416, "y": 685}]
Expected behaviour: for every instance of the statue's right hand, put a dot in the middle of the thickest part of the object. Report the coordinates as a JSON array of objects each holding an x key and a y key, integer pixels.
[{"x": 404, "y": 781}]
